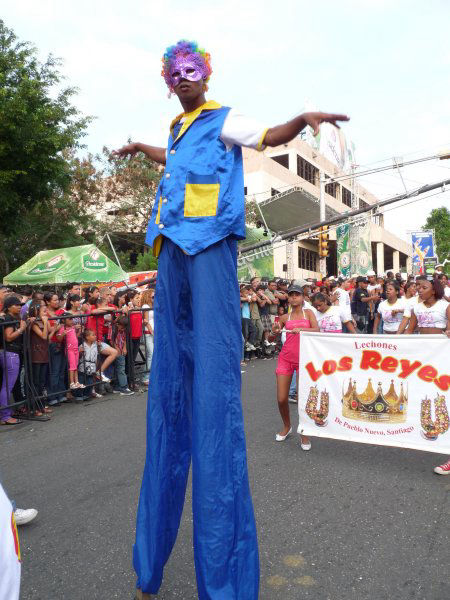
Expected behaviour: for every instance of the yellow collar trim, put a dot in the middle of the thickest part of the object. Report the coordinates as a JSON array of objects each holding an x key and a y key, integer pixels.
[{"x": 190, "y": 117}]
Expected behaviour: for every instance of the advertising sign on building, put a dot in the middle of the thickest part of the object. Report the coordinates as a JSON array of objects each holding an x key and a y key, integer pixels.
[
  {"x": 343, "y": 249},
  {"x": 256, "y": 263},
  {"x": 381, "y": 389},
  {"x": 423, "y": 247},
  {"x": 360, "y": 248},
  {"x": 332, "y": 143},
  {"x": 429, "y": 265}
]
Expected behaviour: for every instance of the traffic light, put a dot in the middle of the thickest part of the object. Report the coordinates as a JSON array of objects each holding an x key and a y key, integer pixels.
[{"x": 323, "y": 241}]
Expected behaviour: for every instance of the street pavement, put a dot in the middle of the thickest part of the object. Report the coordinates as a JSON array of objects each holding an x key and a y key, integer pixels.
[{"x": 344, "y": 521}]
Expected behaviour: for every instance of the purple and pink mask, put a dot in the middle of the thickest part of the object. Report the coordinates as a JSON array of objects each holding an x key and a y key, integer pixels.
[{"x": 187, "y": 66}]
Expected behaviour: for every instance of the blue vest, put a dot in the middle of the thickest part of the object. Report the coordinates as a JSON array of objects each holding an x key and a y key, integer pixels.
[{"x": 200, "y": 198}]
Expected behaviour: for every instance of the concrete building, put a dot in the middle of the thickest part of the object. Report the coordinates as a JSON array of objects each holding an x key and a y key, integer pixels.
[{"x": 285, "y": 183}]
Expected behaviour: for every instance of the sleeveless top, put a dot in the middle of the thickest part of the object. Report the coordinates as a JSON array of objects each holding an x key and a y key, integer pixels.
[{"x": 291, "y": 348}]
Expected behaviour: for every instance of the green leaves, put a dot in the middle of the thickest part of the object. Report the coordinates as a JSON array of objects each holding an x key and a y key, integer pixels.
[{"x": 38, "y": 127}]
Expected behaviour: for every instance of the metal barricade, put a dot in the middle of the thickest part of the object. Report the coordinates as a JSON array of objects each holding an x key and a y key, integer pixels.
[{"x": 28, "y": 387}]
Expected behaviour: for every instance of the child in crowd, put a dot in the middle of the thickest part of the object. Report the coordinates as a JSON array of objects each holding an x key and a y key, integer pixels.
[
  {"x": 39, "y": 335},
  {"x": 119, "y": 342},
  {"x": 72, "y": 351},
  {"x": 87, "y": 365},
  {"x": 73, "y": 306}
]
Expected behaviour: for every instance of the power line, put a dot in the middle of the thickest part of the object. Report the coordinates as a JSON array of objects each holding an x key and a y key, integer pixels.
[
  {"x": 283, "y": 244},
  {"x": 345, "y": 216}
]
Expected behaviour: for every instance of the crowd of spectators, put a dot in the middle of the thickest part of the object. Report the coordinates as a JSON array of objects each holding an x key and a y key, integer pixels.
[
  {"x": 360, "y": 304},
  {"x": 71, "y": 345},
  {"x": 75, "y": 344}
]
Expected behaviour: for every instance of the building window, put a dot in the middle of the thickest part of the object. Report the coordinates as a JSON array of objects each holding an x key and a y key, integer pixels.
[
  {"x": 363, "y": 204},
  {"x": 307, "y": 171},
  {"x": 307, "y": 259},
  {"x": 282, "y": 160},
  {"x": 332, "y": 189},
  {"x": 346, "y": 197},
  {"x": 273, "y": 192},
  {"x": 245, "y": 190}
]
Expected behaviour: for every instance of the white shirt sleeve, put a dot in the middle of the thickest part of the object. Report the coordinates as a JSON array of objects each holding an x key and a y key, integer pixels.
[{"x": 242, "y": 131}]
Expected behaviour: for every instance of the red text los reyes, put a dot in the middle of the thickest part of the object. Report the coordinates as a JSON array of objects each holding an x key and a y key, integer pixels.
[{"x": 374, "y": 360}]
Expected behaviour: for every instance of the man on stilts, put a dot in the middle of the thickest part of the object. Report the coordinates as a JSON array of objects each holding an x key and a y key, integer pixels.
[{"x": 194, "y": 405}]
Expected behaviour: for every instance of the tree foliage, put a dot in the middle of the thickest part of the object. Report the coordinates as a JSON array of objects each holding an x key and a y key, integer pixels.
[
  {"x": 38, "y": 127},
  {"x": 252, "y": 214},
  {"x": 439, "y": 220}
]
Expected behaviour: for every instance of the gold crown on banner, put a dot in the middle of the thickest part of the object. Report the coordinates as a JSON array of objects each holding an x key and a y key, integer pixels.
[{"x": 380, "y": 406}]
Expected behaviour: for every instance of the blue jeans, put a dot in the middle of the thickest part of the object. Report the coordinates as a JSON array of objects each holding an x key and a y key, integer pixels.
[
  {"x": 120, "y": 373},
  {"x": 10, "y": 364},
  {"x": 293, "y": 388},
  {"x": 57, "y": 367},
  {"x": 148, "y": 339},
  {"x": 194, "y": 409}
]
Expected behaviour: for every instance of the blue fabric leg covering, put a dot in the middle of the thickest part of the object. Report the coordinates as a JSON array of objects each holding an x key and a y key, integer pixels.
[{"x": 194, "y": 407}]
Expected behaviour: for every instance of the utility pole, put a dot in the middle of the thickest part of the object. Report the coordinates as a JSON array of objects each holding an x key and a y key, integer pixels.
[{"x": 322, "y": 259}]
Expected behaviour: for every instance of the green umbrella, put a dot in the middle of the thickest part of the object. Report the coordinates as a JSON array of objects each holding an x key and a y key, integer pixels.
[{"x": 80, "y": 264}]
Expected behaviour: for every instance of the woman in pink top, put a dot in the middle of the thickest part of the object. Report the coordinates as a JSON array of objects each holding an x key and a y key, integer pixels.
[{"x": 300, "y": 319}]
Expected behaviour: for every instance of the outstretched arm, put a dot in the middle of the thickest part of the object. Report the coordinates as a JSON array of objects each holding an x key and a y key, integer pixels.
[
  {"x": 281, "y": 134},
  {"x": 152, "y": 152}
]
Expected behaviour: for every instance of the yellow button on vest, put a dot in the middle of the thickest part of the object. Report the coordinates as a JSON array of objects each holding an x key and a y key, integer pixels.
[
  {"x": 161, "y": 225},
  {"x": 167, "y": 175},
  {"x": 172, "y": 152},
  {"x": 164, "y": 200}
]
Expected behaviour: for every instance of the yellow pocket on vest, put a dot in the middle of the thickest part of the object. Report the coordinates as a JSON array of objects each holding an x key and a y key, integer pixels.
[{"x": 201, "y": 195}]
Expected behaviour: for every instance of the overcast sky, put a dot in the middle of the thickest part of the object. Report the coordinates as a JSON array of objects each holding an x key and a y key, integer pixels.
[{"x": 386, "y": 63}]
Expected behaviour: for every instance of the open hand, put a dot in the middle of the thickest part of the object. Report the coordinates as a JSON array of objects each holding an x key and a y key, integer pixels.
[
  {"x": 315, "y": 119},
  {"x": 128, "y": 150}
]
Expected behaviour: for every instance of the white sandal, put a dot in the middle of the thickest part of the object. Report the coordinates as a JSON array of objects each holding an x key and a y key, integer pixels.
[{"x": 281, "y": 438}]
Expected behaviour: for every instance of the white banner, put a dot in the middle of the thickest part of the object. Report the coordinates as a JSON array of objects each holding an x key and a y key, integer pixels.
[{"x": 391, "y": 390}]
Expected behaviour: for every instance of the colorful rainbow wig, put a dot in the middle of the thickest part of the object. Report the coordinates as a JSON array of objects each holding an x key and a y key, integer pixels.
[{"x": 186, "y": 48}]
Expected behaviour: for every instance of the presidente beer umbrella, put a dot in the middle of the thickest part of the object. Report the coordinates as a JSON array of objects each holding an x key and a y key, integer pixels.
[{"x": 80, "y": 264}]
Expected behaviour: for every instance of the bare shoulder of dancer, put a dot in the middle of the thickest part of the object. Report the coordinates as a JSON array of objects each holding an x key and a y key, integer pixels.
[{"x": 312, "y": 319}]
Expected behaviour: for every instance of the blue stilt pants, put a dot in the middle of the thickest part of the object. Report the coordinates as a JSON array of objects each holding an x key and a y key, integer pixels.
[{"x": 194, "y": 410}]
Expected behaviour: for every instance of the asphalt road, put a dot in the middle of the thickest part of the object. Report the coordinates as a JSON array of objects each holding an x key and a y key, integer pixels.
[{"x": 343, "y": 521}]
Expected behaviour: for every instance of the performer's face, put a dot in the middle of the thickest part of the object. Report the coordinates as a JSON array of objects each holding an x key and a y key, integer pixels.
[
  {"x": 187, "y": 78},
  {"x": 184, "y": 68}
]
